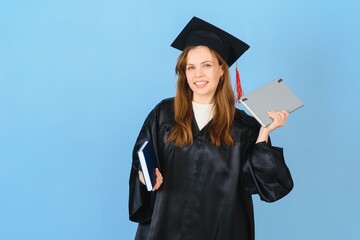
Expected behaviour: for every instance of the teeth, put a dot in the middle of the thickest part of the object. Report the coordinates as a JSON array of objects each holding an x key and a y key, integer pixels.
[{"x": 200, "y": 83}]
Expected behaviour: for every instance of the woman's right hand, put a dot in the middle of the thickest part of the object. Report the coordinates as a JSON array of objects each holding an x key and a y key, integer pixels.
[{"x": 159, "y": 179}]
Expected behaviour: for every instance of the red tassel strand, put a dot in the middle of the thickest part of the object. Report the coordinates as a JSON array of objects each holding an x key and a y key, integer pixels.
[{"x": 239, "y": 90}]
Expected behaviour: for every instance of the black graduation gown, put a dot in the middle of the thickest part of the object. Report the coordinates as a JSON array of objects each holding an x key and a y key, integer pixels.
[{"x": 206, "y": 192}]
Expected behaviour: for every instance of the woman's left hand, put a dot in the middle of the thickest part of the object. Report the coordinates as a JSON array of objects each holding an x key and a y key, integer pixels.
[{"x": 279, "y": 119}]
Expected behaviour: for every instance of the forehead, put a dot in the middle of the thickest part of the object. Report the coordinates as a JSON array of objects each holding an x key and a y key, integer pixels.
[{"x": 199, "y": 54}]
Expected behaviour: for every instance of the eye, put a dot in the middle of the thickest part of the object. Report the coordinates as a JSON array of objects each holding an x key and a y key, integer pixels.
[
  {"x": 190, "y": 68},
  {"x": 207, "y": 65}
]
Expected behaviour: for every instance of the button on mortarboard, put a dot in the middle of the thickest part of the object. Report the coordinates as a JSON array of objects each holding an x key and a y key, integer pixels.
[{"x": 198, "y": 32}]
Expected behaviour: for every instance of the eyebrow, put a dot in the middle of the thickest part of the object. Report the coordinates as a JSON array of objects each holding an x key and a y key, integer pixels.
[{"x": 201, "y": 62}]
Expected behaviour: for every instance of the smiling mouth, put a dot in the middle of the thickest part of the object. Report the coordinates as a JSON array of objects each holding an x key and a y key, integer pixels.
[{"x": 201, "y": 83}]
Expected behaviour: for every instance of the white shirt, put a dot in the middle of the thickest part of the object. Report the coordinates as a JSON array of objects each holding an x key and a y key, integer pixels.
[{"x": 203, "y": 113}]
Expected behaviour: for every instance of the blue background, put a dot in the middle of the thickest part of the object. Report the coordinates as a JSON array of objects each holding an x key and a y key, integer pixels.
[{"x": 77, "y": 79}]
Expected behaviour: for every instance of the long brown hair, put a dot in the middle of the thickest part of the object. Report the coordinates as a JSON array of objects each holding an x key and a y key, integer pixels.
[{"x": 224, "y": 106}]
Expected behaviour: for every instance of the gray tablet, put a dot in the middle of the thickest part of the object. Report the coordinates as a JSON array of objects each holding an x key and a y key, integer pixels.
[{"x": 273, "y": 96}]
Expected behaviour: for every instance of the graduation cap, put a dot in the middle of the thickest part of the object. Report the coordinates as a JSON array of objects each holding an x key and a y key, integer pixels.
[{"x": 199, "y": 32}]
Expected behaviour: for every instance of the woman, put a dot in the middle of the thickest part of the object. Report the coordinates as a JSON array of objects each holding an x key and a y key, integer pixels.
[{"x": 212, "y": 156}]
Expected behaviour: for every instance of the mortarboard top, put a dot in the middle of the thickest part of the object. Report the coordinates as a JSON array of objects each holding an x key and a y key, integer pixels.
[{"x": 198, "y": 32}]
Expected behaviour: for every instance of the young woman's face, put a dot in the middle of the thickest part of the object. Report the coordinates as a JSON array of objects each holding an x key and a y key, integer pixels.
[{"x": 203, "y": 73}]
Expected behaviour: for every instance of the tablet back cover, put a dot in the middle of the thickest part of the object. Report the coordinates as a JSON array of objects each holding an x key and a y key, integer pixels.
[{"x": 273, "y": 96}]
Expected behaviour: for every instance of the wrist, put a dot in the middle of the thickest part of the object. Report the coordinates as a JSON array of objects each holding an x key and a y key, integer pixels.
[{"x": 263, "y": 135}]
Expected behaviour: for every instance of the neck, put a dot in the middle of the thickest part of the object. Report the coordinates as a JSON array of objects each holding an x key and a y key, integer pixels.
[{"x": 203, "y": 100}]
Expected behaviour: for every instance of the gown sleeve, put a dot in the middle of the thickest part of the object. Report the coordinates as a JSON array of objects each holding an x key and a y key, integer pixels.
[
  {"x": 141, "y": 201},
  {"x": 265, "y": 172}
]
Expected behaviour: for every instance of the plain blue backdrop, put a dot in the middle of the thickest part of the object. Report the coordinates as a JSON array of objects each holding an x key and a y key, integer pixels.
[{"x": 77, "y": 79}]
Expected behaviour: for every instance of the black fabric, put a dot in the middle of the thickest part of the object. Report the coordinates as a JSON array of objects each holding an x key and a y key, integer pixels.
[
  {"x": 199, "y": 32},
  {"x": 206, "y": 193}
]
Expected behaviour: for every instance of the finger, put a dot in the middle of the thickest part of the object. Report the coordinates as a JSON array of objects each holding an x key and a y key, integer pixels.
[
  {"x": 286, "y": 115},
  {"x": 279, "y": 118},
  {"x": 159, "y": 180},
  {"x": 157, "y": 185},
  {"x": 141, "y": 177},
  {"x": 275, "y": 116},
  {"x": 283, "y": 115},
  {"x": 158, "y": 174}
]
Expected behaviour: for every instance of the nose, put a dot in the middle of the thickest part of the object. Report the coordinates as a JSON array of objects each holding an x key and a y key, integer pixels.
[{"x": 198, "y": 72}]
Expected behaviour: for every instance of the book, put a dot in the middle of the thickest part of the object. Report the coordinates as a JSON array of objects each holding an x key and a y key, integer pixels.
[
  {"x": 273, "y": 96},
  {"x": 148, "y": 164}
]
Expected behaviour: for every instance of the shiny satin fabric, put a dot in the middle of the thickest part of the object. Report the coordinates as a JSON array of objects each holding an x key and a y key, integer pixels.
[{"x": 206, "y": 193}]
